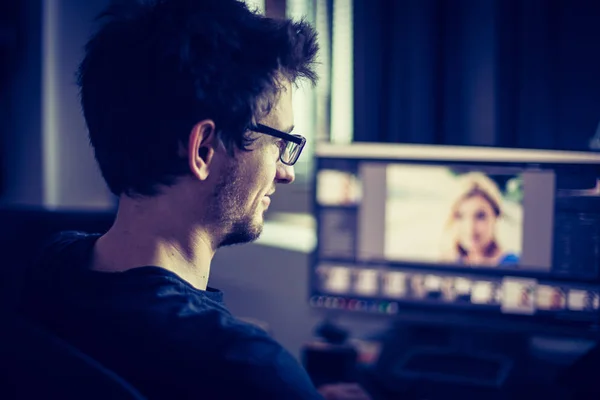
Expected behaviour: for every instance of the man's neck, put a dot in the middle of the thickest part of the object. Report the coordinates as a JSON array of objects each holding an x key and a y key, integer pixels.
[{"x": 146, "y": 234}]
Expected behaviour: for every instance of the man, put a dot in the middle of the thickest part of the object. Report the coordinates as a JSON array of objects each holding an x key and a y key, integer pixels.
[{"x": 188, "y": 106}]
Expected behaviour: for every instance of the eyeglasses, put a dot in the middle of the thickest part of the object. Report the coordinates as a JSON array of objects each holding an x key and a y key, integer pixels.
[{"x": 293, "y": 143}]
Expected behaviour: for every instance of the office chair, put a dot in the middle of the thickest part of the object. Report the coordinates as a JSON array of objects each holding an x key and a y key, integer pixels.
[{"x": 33, "y": 362}]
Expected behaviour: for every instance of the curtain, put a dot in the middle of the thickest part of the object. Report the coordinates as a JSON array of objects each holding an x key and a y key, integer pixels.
[{"x": 510, "y": 73}]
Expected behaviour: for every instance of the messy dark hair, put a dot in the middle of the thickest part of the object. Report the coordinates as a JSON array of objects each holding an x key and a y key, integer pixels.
[{"x": 156, "y": 68}]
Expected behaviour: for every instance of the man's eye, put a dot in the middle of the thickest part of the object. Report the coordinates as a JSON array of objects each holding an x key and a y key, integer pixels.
[{"x": 281, "y": 144}]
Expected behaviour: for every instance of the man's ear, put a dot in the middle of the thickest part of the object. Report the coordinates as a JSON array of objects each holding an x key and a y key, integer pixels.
[{"x": 201, "y": 148}]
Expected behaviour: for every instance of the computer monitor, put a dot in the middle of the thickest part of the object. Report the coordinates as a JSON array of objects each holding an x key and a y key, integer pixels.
[{"x": 463, "y": 231}]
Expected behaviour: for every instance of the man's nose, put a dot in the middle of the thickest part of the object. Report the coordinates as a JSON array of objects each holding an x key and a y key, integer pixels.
[{"x": 285, "y": 173}]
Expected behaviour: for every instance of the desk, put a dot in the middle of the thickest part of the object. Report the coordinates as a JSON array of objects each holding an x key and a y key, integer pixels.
[{"x": 533, "y": 376}]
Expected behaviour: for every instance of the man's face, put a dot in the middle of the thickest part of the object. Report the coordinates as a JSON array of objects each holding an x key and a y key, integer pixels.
[{"x": 242, "y": 193}]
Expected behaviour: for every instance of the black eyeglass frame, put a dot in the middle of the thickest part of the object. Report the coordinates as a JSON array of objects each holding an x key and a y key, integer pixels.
[{"x": 297, "y": 139}]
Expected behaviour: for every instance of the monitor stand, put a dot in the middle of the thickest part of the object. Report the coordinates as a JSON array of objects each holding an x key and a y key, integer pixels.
[{"x": 473, "y": 358}]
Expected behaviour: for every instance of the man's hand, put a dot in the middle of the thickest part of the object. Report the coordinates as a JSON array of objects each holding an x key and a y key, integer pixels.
[{"x": 343, "y": 391}]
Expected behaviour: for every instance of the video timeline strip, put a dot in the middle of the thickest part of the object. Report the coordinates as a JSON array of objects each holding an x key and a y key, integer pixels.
[
  {"x": 509, "y": 294},
  {"x": 338, "y": 303}
]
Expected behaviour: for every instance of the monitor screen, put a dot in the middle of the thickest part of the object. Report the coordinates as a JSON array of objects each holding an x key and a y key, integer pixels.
[
  {"x": 472, "y": 233},
  {"x": 494, "y": 217}
]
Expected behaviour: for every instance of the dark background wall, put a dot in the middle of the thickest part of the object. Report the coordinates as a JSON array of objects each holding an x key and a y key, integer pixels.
[
  {"x": 20, "y": 97},
  {"x": 515, "y": 73},
  {"x": 46, "y": 159}
]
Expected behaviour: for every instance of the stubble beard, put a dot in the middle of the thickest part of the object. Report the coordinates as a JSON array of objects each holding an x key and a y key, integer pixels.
[{"x": 230, "y": 198}]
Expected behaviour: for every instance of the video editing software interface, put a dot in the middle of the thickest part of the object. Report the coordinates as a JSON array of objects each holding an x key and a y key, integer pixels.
[{"x": 396, "y": 235}]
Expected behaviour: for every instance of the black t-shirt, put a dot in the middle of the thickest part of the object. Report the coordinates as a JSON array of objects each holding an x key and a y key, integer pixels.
[{"x": 166, "y": 338}]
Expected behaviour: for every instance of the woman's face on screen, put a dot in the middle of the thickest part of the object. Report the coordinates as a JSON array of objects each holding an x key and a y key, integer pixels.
[{"x": 475, "y": 223}]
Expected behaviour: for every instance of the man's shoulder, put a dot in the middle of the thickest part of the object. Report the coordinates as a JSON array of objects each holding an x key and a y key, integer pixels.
[
  {"x": 241, "y": 357},
  {"x": 188, "y": 321},
  {"x": 263, "y": 366},
  {"x": 240, "y": 352},
  {"x": 207, "y": 328},
  {"x": 158, "y": 331}
]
